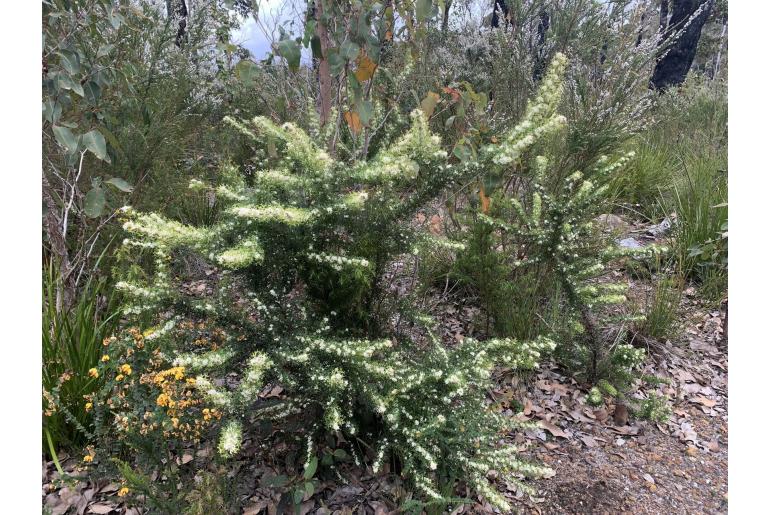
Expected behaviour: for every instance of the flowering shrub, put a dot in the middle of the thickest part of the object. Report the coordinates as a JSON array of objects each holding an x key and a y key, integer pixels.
[
  {"x": 535, "y": 244},
  {"x": 299, "y": 252}
]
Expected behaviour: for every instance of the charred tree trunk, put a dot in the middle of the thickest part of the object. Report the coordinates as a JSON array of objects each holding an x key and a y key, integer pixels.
[
  {"x": 499, "y": 7},
  {"x": 663, "y": 16},
  {"x": 445, "y": 19},
  {"x": 543, "y": 25},
  {"x": 178, "y": 9},
  {"x": 681, "y": 42}
]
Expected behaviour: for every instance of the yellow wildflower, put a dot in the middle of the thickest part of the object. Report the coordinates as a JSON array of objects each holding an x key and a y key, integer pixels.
[
  {"x": 93, "y": 373},
  {"x": 105, "y": 358},
  {"x": 163, "y": 400},
  {"x": 89, "y": 405},
  {"x": 126, "y": 369},
  {"x": 119, "y": 377},
  {"x": 122, "y": 492},
  {"x": 88, "y": 458}
]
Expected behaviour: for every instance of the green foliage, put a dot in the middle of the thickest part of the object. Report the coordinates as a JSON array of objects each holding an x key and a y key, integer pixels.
[
  {"x": 309, "y": 238},
  {"x": 661, "y": 308},
  {"x": 72, "y": 345},
  {"x": 655, "y": 408}
]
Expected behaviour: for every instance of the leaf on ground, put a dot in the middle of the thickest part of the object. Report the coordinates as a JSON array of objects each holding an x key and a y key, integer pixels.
[
  {"x": 100, "y": 508},
  {"x": 589, "y": 441},
  {"x": 553, "y": 429},
  {"x": 704, "y": 401}
]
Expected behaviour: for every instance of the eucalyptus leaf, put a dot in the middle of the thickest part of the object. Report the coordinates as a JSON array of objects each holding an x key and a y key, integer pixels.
[
  {"x": 104, "y": 50},
  {"x": 94, "y": 203},
  {"x": 94, "y": 141},
  {"x": 349, "y": 50},
  {"x": 70, "y": 61},
  {"x": 246, "y": 71},
  {"x": 290, "y": 50},
  {"x": 66, "y": 138},
  {"x": 315, "y": 46},
  {"x": 121, "y": 184},
  {"x": 92, "y": 92},
  {"x": 423, "y": 8}
]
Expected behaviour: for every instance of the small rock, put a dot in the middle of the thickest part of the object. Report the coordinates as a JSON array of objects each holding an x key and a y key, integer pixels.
[
  {"x": 629, "y": 243},
  {"x": 661, "y": 229}
]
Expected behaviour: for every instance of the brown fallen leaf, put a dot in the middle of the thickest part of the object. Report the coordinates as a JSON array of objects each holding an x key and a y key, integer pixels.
[
  {"x": 553, "y": 429},
  {"x": 709, "y": 403},
  {"x": 101, "y": 509},
  {"x": 589, "y": 441}
]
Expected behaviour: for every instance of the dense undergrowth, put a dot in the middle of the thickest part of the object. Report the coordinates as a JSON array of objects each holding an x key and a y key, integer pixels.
[{"x": 253, "y": 233}]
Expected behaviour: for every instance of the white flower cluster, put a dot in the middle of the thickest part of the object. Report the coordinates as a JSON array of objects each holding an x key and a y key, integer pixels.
[
  {"x": 338, "y": 263},
  {"x": 242, "y": 255},
  {"x": 230, "y": 438},
  {"x": 539, "y": 119},
  {"x": 253, "y": 378},
  {"x": 273, "y": 213},
  {"x": 211, "y": 359}
]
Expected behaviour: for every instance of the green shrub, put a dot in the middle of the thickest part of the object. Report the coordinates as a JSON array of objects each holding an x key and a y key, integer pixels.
[
  {"x": 301, "y": 250},
  {"x": 661, "y": 307},
  {"x": 72, "y": 345}
]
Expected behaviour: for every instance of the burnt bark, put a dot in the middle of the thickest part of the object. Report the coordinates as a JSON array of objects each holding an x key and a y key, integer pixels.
[
  {"x": 680, "y": 42},
  {"x": 445, "y": 19},
  {"x": 499, "y": 7},
  {"x": 543, "y": 24},
  {"x": 178, "y": 9},
  {"x": 663, "y": 16}
]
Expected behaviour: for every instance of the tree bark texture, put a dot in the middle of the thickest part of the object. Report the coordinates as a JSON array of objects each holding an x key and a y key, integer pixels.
[{"x": 680, "y": 42}]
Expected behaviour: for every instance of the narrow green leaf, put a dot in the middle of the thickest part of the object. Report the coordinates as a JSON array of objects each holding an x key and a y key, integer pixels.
[{"x": 121, "y": 184}]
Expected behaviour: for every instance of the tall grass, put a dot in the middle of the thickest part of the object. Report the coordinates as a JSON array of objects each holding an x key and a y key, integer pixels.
[
  {"x": 72, "y": 344},
  {"x": 681, "y": 167}
]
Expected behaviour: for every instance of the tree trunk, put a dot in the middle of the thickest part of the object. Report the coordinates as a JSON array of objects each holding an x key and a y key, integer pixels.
[
  {"x": 445, "y": 20},
  {"x": 543, "y": 25},
  {"x": 324, "y": 69},
  {"x": 181, "y": 13},
  {"x": 500, "y": 6},
  {"x": 663, "y": 16},
  {"x": 53, "y": 229},
  {"x": 681, "y": 42}
]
